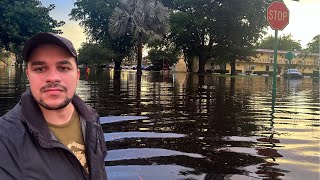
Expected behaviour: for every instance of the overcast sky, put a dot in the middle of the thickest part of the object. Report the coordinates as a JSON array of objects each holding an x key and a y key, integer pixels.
[{"x": 304, "y": 20}]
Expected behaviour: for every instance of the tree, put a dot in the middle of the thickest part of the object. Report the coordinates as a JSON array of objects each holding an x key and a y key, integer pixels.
[
  {"x": 20, "y": 19},
  {"x": 94, "y": 17},
  {"x": 95, "y": 54},
  {"x": 3, "y": 56},
  {"x": 146, "y": 20},
  {"x": 285, "y": 42},
  {"x": 314, "y": 45},
  {"x": 160, "y": 57},
  {"x": 216, "y": 29},
  {"x": 241, "y": 24}
]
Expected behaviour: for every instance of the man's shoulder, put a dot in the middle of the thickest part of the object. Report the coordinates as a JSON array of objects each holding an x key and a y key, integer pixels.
[
  {"x": 11, "y": 123},
  {"x": 84, "y": 110}
]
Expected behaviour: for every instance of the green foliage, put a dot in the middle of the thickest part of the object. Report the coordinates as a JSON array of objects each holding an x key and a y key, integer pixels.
[
  {"x": 285, "y": 42},
  {"x": 20, "y": 19},
  {"x": 144, "y": 20},
  {"x": 94, "y": 18},
  {"x": 314, "y": 45},
  {"x": 95, "y": 54},
  {"x": 158, "y": 57},
  {"x": 163, "y": 49},
  {"x": 221, "y": 29},
  {"x": 122, "y": 46},
  {"x": 146, "y": 17}
]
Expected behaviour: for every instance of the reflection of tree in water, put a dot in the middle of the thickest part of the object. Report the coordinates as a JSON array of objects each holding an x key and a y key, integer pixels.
[
  {"x": 207, "y": 114},
  {"x": 138, "y": 94},
  {"x": 208, "y": 111},
  {"x": 13, "y": 84}
]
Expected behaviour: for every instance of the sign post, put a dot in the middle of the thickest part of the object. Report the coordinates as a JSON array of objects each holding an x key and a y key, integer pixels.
[
  {"x": 278, "y": 19},
  {"x": 289, "y": 56}
]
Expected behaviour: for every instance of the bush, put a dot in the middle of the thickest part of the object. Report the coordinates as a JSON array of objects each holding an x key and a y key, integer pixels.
[{"x": 95, "y": 54}]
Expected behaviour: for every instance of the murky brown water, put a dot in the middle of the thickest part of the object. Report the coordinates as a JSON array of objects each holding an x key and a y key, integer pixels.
[{"x": 214, "y": 127}]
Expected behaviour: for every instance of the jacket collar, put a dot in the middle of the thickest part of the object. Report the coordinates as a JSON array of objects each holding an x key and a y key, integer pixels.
[{"x": 36, "y": 122}]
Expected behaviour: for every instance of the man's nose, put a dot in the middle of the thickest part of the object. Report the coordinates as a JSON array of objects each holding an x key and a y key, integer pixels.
[{"x": 53, "y": 76}]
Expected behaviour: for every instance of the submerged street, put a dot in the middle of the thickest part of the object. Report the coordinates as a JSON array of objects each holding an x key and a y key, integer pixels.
[{"x": 215, "y": 127}]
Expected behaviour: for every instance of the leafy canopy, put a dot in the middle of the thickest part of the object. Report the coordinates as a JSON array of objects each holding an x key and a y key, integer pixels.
[
  {"x": 95, "y": 54},
  {"x": 20, "y": 19},
  {"x": 146, "y": 17},
  {"x": 94, "y": 18},
  {"x": 158, "y": 57},
  {"x": 220, "y": 29},
  {"x": 314, "y": 45},
  {"x": 285, "y": 42}
]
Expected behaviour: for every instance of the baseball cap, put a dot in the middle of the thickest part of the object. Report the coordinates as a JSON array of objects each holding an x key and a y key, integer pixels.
[{"x": 47, "y": 38}]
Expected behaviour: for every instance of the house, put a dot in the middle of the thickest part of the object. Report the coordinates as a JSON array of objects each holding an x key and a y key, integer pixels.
[{"x": 262, "y": 62}]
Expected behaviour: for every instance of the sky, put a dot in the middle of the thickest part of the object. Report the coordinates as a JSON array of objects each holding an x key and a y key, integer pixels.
[{"x": 303, "y": 20}]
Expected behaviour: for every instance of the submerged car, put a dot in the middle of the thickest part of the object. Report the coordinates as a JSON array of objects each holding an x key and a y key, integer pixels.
[
  {"x": 293, "y": 73},
  {"x": 153, "y": 68}
]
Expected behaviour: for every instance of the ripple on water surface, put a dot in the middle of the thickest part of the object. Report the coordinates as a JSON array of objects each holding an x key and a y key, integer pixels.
[{"x": 199, "y": 127}]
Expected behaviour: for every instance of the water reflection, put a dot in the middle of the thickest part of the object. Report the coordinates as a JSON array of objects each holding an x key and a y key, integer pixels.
[
  {"x": 207, "y": 127},
  {"x": 12, "y": 85}
]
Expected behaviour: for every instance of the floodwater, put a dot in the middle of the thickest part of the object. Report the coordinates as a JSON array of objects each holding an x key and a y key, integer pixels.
[{"x": 211, "y": 127}]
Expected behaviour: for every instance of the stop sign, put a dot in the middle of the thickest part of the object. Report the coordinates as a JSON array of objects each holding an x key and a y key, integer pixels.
[{"x": 278, "y": 15}]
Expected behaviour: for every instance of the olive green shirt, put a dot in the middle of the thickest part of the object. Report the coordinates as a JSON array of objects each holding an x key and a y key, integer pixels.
[{"x": 70, "y": 135}]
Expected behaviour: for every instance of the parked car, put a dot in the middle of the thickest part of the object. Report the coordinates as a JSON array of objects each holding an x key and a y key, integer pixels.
[
  {"x": 293, "y": 73},
  {"x": 153, "y": 68},
  {"x": 134, "y": 67}
]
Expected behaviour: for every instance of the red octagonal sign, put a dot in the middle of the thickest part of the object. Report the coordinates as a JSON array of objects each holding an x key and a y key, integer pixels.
[{"x": 278, "y": 15}]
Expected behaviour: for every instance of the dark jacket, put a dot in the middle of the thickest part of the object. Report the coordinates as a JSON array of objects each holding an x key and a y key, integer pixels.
[{"x": 28, "y": 149}]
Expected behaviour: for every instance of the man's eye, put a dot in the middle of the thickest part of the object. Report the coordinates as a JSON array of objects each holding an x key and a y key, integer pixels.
[
  {"x": 39, "y": 69},
  {"x": 64, "y": 68}
]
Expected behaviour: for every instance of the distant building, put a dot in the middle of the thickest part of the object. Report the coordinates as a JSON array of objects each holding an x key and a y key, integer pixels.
[
  {"x": 180, "y": 66},
  {"x": 262, "y": 62}
]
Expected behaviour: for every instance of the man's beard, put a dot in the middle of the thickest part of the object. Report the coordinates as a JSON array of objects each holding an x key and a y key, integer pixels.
[{"x": 58, "y": 107}]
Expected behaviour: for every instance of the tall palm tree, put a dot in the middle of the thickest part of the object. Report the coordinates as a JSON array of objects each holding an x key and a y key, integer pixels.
[{"x": 147, "y": 20}]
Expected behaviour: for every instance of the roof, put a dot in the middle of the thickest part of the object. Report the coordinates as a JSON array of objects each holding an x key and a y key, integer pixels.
[{"x": 284, "y": 52}]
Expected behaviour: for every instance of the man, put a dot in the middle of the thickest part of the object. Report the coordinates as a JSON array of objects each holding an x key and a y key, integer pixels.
[{"x": 51, "y": 133}]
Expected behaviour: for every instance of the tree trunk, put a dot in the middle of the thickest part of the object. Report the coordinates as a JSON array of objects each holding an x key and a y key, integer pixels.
[
  {"x": 232, "y": 86},
  {"x": 189, "y": 66},
  {"x": 233, "y": 66},
  {"x": 139, "y": 54},
  {"x": 117, "y": 83},
  {"x": 138, "y": 96},
  {"x": 202, "y": 63},
  {"x": 117, "y": 65}
]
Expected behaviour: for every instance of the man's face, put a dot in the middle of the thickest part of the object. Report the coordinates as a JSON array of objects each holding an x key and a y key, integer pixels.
[{"x": 53, "y": 76}]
